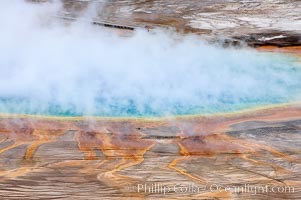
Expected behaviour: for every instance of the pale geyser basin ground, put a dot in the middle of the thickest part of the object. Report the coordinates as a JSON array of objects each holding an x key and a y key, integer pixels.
[{"x": 48, "y": 68}]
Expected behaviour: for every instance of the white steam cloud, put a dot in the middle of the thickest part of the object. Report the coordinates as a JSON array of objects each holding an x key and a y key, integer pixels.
[{"x": 47, "y": 67}]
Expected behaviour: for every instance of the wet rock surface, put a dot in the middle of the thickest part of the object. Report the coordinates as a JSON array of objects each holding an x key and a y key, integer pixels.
[
  {"x": 49, "y": 158},
  {"x": 43, "y": 158},
  {"x": 272, "y": 22}
]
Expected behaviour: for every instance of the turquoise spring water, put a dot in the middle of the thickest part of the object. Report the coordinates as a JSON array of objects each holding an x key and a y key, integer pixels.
[
  {"x": 50, "y": 68},
  {"x": 268, "y": 79}
]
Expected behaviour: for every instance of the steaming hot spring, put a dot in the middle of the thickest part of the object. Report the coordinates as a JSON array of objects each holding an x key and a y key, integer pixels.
[{"x": 48, "y": 68}]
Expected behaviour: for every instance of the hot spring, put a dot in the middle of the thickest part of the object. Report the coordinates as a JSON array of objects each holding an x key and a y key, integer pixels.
[{"x": 48, "y": 68}]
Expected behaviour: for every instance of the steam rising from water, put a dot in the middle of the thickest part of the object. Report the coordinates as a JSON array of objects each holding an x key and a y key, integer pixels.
[{"x": 52, "y": 69}]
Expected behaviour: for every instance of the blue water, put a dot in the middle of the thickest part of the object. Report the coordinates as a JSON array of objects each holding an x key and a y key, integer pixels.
[
  {"x": 50, "y": 68},
  {"x": 268, "y": 79}
]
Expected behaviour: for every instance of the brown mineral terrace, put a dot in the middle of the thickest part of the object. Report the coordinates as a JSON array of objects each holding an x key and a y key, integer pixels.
[
  {"x": 103, "y": 158},
  {"x": 92, "y": 158}
]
